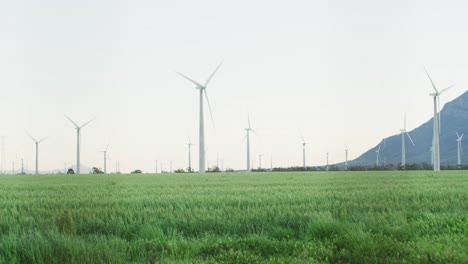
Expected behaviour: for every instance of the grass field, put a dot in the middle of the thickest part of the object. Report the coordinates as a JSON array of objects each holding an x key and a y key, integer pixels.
[{"x": 342, "y": 217}]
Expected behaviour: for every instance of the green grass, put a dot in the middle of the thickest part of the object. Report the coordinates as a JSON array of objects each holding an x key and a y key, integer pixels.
[{"x": 342, "y": 217}]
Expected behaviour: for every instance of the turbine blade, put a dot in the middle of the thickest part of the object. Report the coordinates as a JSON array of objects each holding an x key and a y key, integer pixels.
[
  {"x": 253, "y": 131},
  {"x": 214, "y": 72},
  {"x": 107, "y": 147},
  {"x": 458, "y": 136},
  {"x": 86, "y": 123},
  {"x": 244, "y": 137},
  {"x": 31, "y": 137},
  {"x": 461, "y": 136},
  {"x": 445, "y": 89},
  {"x": 42, "y": 140},
  {"x": 209, "y": 106},
  {"x": 433, "y": 85},
  {"x": 190, "y": 80},
  {"x": 72, "y": 121},
  {"x": 410, "y": 138}
]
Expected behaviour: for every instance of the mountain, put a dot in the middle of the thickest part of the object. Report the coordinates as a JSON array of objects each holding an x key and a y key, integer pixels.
[{"x": 454, "y": 117}]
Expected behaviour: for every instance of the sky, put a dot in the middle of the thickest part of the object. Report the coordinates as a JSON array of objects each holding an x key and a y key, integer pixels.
[{"x": 335, "y": 72}]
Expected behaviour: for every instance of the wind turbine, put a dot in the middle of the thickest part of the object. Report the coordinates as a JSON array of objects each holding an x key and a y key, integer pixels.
[
  {"x": 304, "y": 152},
  {"x": 37, "y": 151},
  {"x": 78, "y": 129},
  {"x": 189, "y": 155},
  {"x": 202, "y": 89},
  {"x": 105, "y": 158},
  {"x": 327, "y": 161},
  {"x": 435, "y": 142},
  {"x": 346, "y": 156},
  {"x": 377, "y": 151},
  {"x": 403, "y": 149},
  {"x": 248, "y": 130},
  {"x": 459, "y": 148}
]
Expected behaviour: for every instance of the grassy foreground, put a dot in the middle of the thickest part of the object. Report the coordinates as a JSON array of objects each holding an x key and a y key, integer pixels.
[{"x": 343, "y": 217}]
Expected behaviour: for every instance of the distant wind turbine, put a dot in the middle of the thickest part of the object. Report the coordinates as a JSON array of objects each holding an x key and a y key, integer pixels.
[
  {"x": 435, "y": 142},
  {"x": 105, "y": 158},
  {"x": 304, "y": 152},
  {"x": 327, "y": 161},
  {"x": 248, "y": 130},
  {"x": 189, "y": 144},
  {"x": 403, "y": 148},
  {"x": 37, "y": 151},
  {"x": 78, "y": 135},
  {"x": 459, "y": 148},
  {"x": 377, "y": 151},
  {"x": 202, "y": 89},
  {"x": 346, "y": 156}
]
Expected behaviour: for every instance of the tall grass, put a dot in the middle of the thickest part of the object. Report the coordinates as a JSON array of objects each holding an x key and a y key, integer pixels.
[{"x": 343, "y": 217}]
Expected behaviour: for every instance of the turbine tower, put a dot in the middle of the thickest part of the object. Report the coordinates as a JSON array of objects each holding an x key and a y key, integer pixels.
[
  {"x": 202, "y": 89},
  {"x": 304, "y": 152},
  {"x": 78, "y": 130},
  {"x": 435, "y": 141},
  {"x": 377, "y": 151},
  {"x": 248, "y": 130},
  {"x": 105, "y": 158},
  {"x": 403, "y": 148},
  {"x": 459, "y": 148},
  {"x": 37, "y": 151}
]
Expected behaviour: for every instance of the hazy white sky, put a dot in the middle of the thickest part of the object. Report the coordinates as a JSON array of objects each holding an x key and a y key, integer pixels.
[{"x": 336, "y": 71}]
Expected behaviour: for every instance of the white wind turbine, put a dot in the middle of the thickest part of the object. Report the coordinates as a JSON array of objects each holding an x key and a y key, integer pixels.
[
  {"x": 37, "y": 151},
  {"x": 377, "y": 151},
  {"x": 346, "y": 156},
  {"x": 202, "y": 89},
  {"x": 327, "y": 161},
  {"x": 459, "y": 147},
  {"x": 189, "y": 144},
  {"x": 248, "y": 130},
  {"x": 304, "y": 152},
  {"x": 105, "y": 158},
  {"x": 78, "y": 130},
  {"x": 403, "y": 148},
  {"x": 435, "y": 141}
]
